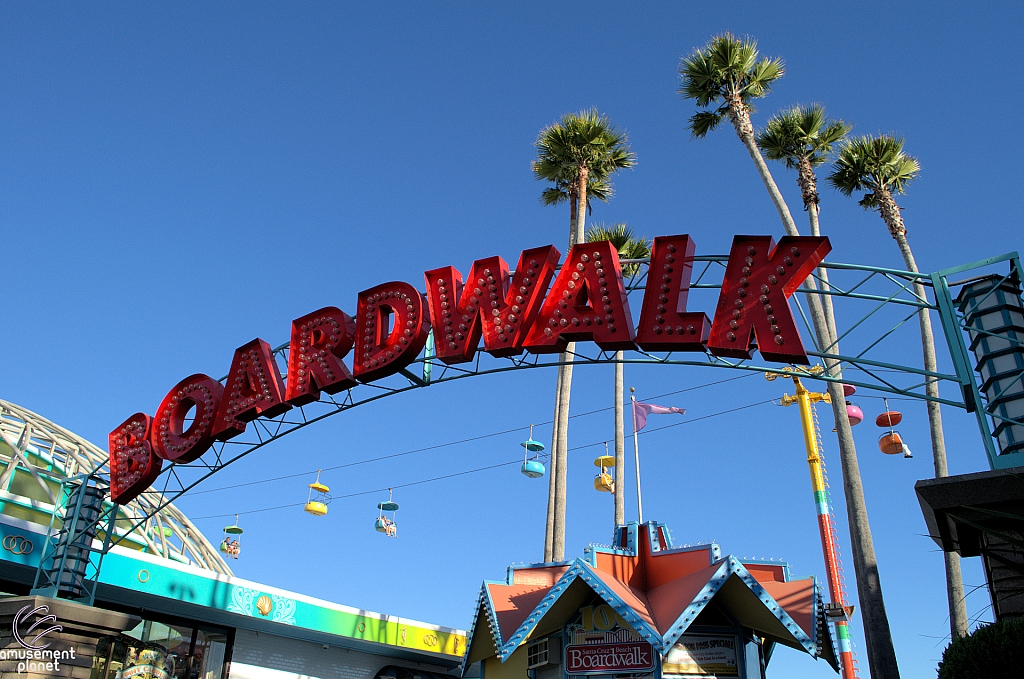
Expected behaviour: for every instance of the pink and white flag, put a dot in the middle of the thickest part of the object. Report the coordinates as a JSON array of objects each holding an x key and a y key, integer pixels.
[{"x": 642, "y": 410}]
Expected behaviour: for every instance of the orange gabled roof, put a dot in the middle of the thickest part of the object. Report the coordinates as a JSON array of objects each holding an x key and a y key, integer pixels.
[
  {"x": 512, "y": 603},
  {"x": 660, "y": 591}
]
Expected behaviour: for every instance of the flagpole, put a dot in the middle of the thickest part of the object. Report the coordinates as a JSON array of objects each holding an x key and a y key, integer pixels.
[{"x": 636, "y": 460}]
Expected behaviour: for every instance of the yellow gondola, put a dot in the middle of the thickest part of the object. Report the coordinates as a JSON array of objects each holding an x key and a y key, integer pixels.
[
  {"x": 316, "y": 502},
  {"x": 603, "y": 481}
]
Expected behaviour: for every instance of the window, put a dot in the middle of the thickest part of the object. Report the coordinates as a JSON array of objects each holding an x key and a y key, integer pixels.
[
  {"x": 164, "y": 649},
  {"x": 537, "y": 654}
]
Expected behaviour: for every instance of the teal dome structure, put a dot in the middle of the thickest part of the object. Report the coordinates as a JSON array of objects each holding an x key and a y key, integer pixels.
[{"x": 37, "y": 455}]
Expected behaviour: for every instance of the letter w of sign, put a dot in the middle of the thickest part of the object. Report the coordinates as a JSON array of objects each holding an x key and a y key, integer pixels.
[
  {"x": 491, "y": 304},
  {"x": 22, "y": 616}
]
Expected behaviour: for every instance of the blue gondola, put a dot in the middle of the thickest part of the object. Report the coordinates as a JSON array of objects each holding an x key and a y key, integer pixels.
[
  {"x": 383, "y": 524},
  {"x": 532, "y": 468}
]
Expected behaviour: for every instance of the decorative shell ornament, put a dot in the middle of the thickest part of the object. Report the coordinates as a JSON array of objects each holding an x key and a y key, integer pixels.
[{"x": 264, "y": 605}]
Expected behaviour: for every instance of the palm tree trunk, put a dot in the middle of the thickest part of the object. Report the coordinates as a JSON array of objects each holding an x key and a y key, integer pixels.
[
  {"x": 559, "y": 453},
  {"x": 739, "y": 113},
  {"x": 877, "y": 635},
  {"x": 549, "y": 528},
  {"x": 559, "y": 426},
  {"x": 890, "y": 212},
  {"x": 564, "y": 392},
  {"x": 808, "y": 183},
  {"x": 620, "y": 448}
]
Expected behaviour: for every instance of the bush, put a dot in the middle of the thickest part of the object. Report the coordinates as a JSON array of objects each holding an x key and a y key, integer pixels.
[{"x": 992, "y": 652}]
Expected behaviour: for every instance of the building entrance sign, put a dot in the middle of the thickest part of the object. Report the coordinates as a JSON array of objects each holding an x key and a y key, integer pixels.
[
  {"x": 699, "y": 655},
  {"x": 535, "y": 310},
  {"x": 601, "y": 642}
]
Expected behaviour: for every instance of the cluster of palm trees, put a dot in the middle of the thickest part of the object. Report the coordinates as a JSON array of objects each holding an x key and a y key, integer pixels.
[{"x": 578, "y": 156}]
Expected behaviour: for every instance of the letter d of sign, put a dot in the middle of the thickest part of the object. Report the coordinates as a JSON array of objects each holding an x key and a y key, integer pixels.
[
  {"x": 587, "y": 301},
  {"x": 253, "y": 388},
  {"x": 169, "y": 440},
  {"x": 133, "y": 466},
  {"x": 381, "y": 349},
  {"x": 759, "y": 279},
  {"x": 319, "y": 341}
]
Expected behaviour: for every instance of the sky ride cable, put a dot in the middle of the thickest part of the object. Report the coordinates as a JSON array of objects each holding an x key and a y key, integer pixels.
[
  {"x": 453, "y": 443},
  {"x": 479, "y": 469}
]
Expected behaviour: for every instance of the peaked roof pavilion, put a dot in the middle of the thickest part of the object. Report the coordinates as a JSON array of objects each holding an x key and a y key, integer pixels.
[{"x": 659, "y": 590}]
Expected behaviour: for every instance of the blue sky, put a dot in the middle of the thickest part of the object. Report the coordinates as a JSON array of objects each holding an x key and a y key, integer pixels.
[{"x": 177, "y": 179}]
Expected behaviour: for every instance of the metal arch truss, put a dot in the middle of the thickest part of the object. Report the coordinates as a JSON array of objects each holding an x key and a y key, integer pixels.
[{"x": 880, "y": 352}]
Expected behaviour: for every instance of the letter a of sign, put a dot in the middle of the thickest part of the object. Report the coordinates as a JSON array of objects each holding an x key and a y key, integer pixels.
[
  {"x": 133, "y": 466},
  {"x": 253, "y": 388},
  {"x": 383, "y": 349},
  {"x": 319, "y": 341},
  {"x": 759, "y": 279},
  {"x": 587, "y": 301},
  {"x": 488, "y": 305},
  {"x": 665, "y": 324}
]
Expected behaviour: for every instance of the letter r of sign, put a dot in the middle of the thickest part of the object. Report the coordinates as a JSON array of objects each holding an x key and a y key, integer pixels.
[{"x": 759, "y": 279}]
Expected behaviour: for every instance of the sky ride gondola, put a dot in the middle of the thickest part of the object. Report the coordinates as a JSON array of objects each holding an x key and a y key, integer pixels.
[
  {"x": 604, "y": 482},
  {"x": 383, "y": 524},
  {"x": 232, "y": 546},
  {"x": 318, "y": 498},
  {"x": 853, "y": 412},
  {"x": 891, "y": 443},
  {"x": 532, "y": 468}
]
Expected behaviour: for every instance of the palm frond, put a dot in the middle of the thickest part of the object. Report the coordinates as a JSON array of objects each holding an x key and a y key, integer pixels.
[
  {"x": 801, "y": 132},
  {"x": 869, "y": 163},
  {"x": 578, "y": 140},
  {"x": 628, "y": 245},
  {"x": 704, "y": 121},
  {"x": 725, "y": 68}
]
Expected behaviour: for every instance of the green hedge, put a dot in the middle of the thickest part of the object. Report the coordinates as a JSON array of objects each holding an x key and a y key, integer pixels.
[{"x": 991, "y": 652}]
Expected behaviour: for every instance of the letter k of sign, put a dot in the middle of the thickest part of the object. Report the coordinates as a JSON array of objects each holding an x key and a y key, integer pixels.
[{"x": 643, "y": 657}]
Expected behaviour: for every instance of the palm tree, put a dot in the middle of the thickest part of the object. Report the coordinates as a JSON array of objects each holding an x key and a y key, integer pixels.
[
  {"x": 879, "y": 167},
  {"x": 629, "y": 247},
  {"x": 570, "y": 152},
  {"x": 728, "y": 72},
  {"x": 803, "y": 138}
]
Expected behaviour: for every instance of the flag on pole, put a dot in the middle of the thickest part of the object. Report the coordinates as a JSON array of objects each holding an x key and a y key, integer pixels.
[{"x": 642, "y": 410}]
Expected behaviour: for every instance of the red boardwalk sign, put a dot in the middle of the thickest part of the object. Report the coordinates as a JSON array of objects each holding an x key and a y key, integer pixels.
[
  {"x": 511, "y": 313},
  {"x": 631, "y": 656}
]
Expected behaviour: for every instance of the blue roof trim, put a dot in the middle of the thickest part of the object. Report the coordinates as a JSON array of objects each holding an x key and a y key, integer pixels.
[
  {"x": 472, "y": 629},
  {"x": 519, "y": 636},
  {"x": 579, "y": 570},
  {"x": 732, "y": 566},
  {"x": 821, "y": 622},
  {"x": 621, "y": 607}
]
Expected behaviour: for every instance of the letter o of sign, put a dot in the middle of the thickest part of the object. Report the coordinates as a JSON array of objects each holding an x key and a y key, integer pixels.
[
  {"x": 430, "y": 640},
  {"x": 169, "y": 440}
]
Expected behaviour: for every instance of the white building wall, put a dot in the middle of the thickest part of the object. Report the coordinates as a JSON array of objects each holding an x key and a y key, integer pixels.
[{"x": 263, "y": 656}]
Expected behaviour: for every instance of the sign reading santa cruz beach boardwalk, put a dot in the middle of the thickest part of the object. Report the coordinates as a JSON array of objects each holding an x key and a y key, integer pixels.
[
  {"x": 628, "y": 657},
  {"x": 538, "y": 309}
]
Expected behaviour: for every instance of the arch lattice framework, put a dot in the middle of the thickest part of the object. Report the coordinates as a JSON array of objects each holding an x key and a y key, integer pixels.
[{"x": 879, "y": 341}]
